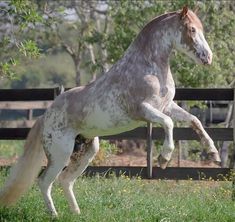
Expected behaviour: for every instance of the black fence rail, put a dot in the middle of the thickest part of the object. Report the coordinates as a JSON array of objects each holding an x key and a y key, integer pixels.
[
  {"x": 149, "y": 133},
  {"x": 45, "y": 94},
  {"x": 180, "y": 133}
]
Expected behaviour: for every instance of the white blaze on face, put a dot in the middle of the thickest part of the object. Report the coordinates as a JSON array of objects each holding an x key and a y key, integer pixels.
[
  {"x": 203, "y": 50},
  {"x": 199, "y": 51}
]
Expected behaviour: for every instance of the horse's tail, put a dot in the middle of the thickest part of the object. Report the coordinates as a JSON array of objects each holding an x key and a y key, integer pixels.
[{"x": 26, "y": 169}]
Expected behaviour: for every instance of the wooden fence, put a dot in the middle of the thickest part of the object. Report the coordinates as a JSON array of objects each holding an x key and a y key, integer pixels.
[{"x": 42, "y": 98}]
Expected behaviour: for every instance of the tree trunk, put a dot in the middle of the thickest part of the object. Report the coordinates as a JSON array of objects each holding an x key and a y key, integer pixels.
[
  {"x": 78, "y": 74},
  {"x": 225, "y": 146}
]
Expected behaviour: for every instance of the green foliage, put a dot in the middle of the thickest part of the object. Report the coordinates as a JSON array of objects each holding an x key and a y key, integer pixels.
[
  {"x": 29, "y": 49},
  {"x": 219, "y": 23},
  {"x": 106, "y": 149},
  {"x": 47, "y": 71},
  {"x": 128, "y": 18},
  {"x": 11, "y": 148},
  {"x": 17, "y": 17},
  {"x": 51, "y": 25},
  {"x": 26, "y": 12},
  {"x": 6, "y": 68}
]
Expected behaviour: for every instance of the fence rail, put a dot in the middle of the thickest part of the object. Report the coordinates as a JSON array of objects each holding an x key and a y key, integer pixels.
[
  {"x": 180, "y": 133},
  {"x": 11, "y": 98},
  {"x": 45, "y": 94}
]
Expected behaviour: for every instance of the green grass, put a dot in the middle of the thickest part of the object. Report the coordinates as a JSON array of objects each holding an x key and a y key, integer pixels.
[
  {"x": 9, "y": 148},
  {"x": 124, "y": 199}
]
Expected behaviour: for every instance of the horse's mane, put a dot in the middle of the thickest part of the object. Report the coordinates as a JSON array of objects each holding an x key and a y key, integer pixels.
[
  {"x": 190, "y": 15},
  {"x": 158, "y": 19},
  {"x": 163, "y": 16},
  {"x": 150, "y": 27}
]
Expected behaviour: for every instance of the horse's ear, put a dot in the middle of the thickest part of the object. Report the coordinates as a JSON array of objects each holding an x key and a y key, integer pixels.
[
  {"x": 184, "y": 12},
  {"x": 196, "y": 9}
]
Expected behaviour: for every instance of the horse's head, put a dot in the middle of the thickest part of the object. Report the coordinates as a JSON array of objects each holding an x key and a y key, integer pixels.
[{"x": 191, "y": 40}]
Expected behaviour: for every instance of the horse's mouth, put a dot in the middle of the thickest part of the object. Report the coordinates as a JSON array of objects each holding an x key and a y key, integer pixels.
[{"x": 203, "y": 61}]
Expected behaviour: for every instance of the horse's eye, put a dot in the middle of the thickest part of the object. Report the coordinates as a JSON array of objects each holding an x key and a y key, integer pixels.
[{"x": 193, "y": 30}]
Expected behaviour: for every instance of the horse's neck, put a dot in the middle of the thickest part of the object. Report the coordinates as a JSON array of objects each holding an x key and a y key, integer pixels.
[
  {"x": 148, "y": 54},
  {"x": 154, "y": 45}
]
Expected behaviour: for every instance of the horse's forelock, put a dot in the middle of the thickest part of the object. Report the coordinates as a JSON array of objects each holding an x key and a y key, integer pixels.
[{"x": 192, "y": 18}]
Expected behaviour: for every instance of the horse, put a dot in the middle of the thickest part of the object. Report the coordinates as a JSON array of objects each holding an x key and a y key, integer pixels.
[{"x": 139, "y": 88}]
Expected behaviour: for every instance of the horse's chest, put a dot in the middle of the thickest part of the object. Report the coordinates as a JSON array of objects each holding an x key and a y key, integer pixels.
[{"x": 164, "y": 98}]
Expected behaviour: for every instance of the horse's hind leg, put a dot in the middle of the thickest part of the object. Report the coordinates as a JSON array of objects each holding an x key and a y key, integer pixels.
[
  {"x": 58, "y": 149},
  {"x": 78, "y": 163}
]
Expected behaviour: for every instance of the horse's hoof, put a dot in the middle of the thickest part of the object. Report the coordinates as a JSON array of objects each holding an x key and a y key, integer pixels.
[
  {"x": 215, "y": 158},
  {"x": 76, "y": 211},
  {"x": 162, "y": 162}
]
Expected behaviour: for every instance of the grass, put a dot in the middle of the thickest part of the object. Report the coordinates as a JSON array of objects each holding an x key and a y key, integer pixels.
[
  {"x": 124, "y": 199},
  {"x": 9, "y": 148}
]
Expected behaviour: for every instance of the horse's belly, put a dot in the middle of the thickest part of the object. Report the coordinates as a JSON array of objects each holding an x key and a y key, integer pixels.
[
  {"x": 112, "y": 130},
  {"x": 107, "y": 122}
]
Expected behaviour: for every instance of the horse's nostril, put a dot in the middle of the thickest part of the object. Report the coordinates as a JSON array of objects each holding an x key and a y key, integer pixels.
[{"x": 209, "y": 59}]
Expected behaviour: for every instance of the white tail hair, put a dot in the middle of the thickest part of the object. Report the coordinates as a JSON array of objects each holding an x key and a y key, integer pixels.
[{"x": 26, "y": 169}]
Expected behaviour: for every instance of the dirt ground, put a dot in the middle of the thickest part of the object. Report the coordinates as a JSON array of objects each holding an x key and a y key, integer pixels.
[
  {"x": 134, "y": 158},
  {"x": 138, "y": 158},
  {"x": 7, "y": 161}
]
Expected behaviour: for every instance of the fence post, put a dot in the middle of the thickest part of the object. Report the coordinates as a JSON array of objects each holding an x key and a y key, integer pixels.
[
  {"x": 30, "y": 114},
  {"x": 178, "y": 145},
  {"x": 58, "y": 90},
  {"x": 233, "y": 157},
  {"x": 149, "y": 151}
]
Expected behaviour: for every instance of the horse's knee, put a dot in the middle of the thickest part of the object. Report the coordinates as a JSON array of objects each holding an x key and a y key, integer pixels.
[{"x": 168, "y": 123}]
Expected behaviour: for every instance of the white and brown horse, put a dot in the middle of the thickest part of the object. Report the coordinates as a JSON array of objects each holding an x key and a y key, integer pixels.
[{"x": 139, "y": 88}]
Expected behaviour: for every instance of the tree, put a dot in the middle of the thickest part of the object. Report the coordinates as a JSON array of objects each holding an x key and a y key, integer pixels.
[
  {"x": 87, "y": 24},
  {"x": 96, "y": 33},
  {"x": 218, "y": 17},
  {"x": 16, "y": 18}
]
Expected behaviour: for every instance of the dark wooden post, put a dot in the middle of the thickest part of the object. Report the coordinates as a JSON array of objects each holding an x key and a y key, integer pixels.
[
  {"x": 30, "y": 114},
  {"x": 58, "y": 90},
  {"x": 149, "y": 151},
  {"x": 178, "y": 145},
  {"x": 233, "y": 158}
]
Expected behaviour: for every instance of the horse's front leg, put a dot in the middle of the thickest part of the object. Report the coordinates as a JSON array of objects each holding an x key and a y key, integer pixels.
[
  {"x": 177, "y": 113},
  {"x": 151, "y": 114}
]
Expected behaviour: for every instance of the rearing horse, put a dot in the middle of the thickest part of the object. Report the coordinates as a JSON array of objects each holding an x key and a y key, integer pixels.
[{"x": 139, "y": 88}]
